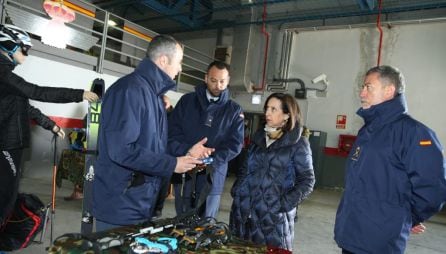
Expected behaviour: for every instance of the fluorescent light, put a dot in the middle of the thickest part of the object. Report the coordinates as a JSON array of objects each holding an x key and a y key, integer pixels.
[
  {"x": 38, "y": 25},
  {"x": 56, "y": 34},
  {"x": 256, "y": 99},
  {"x": 111, "y": 22}
]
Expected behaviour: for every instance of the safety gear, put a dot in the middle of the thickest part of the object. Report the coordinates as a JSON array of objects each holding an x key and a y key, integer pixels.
[{"x": 13, "y": 38}]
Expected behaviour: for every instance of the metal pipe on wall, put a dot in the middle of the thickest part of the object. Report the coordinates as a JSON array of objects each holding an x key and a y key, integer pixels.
[{"x": 284, "y": 65}]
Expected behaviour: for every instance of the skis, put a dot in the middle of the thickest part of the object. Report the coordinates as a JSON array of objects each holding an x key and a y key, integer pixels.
[{"x": 94, "y": 111}]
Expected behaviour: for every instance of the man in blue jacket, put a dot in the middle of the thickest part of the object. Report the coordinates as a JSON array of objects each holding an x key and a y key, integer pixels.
[
  {"x": 206, "y": 115},
  {"x": 133, "y": 139},
  {"x": 395, "y": 176}
]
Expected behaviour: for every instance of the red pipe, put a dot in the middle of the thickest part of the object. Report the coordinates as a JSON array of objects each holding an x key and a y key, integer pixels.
[
  {"x": 265, "y": 59},
  {"x": 378, "y": 25}
]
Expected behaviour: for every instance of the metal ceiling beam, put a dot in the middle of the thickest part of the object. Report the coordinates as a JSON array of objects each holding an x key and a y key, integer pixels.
[
  {"x": 290, "y": 18},
  {"x": 366, "y": 4},
  {"x": 218, "y": 9},
  {"x": 189, "y": 19},
  {"x": 112, "y": 4}
]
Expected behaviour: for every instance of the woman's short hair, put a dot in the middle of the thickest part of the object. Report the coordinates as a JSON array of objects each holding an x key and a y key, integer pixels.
[{"x": 289, "y": 106}]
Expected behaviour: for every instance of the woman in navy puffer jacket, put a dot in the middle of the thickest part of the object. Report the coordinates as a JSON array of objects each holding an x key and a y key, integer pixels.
[{"x": 276, "y": 176}]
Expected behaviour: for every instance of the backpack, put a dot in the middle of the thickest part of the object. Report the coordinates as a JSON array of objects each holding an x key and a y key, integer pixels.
[{"x": 25, "y": 222}]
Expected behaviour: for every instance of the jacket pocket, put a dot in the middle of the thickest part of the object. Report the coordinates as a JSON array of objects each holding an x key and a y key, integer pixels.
[
  {"x": 140, "y": 199},
  {"x": 381, "y": 221}
]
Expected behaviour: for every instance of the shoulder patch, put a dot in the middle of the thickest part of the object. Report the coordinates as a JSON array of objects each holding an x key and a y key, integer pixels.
[{"x": 425, "y": 142}]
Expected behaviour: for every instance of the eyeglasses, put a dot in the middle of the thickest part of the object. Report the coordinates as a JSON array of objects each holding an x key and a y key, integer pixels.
[{"x": 25, "y": 49}]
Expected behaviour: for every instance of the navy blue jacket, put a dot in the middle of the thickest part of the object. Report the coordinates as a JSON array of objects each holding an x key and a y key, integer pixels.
[
  {"x": 269, "y": 186},
  {"x": 132, "y": 141},
  {"x": 395, "y": 179},
  {"x": 194, "y": 118}
]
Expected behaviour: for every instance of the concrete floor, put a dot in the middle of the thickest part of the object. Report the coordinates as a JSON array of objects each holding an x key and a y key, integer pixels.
[{"x": 314, "y": 229}]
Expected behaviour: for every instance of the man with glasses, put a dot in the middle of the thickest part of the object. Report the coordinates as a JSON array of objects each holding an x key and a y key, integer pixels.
[{"x": 209, "y": 117}]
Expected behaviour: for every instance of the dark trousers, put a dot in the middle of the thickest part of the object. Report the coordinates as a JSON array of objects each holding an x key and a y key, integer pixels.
[
  {"x": 9, "y": 181},
  {"x": 187, "y": 195},
  {"x": 164, "y": 189}
]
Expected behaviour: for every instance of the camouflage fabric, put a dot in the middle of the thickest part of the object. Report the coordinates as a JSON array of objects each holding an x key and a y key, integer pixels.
[
  {"x": 88, "y": 244},
  {"x": 71, "y": 167},
  {"x": 73, "y": 244},
  {"x": 237, "y": 245}
]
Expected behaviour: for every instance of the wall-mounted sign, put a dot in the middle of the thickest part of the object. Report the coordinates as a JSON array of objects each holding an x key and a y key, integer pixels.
[{"x": 341, "y": 121}]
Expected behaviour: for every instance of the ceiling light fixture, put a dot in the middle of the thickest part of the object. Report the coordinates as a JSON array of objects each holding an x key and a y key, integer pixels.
[
  {"x": 56, "y": 33},
  {"x": 111, "y": 22}
]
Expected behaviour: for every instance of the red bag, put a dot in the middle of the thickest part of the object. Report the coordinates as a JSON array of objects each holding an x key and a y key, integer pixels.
[{"x": 25, "y": 222}]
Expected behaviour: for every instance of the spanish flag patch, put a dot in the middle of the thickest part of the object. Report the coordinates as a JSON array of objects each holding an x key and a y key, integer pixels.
[{"x": 425, "y": 142}]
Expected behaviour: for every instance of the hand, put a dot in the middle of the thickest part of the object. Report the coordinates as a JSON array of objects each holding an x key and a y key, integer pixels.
[
  {"x": 418, "y": 229},
  {"x": 201, "y": 151},
  {"x": 90, "y": 96},
  {"x": 167, "y": 103},
  {"x": 186, "y": 163},
  {"x": 57, "y": 130}
]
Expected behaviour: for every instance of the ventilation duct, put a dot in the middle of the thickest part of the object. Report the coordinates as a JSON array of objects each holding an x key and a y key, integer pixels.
[{"x": 246, "y": 59}]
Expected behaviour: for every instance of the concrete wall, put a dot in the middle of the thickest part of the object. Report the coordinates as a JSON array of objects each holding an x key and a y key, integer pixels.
[
  {"x": 344, "y": 55},
  {"x": 418, "y": 50}
]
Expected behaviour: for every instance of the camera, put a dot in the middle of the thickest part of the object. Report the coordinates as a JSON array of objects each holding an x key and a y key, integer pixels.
[{"x": 320, "y": 78}]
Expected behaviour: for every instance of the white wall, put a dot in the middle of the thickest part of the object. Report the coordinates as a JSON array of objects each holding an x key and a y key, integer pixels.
[
  {"x": 418, "y": 50},
  {"x": 45, "y": 72}
]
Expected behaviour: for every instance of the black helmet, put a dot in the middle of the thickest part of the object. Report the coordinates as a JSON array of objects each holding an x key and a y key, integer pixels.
[{"x": 12, "y": 38}]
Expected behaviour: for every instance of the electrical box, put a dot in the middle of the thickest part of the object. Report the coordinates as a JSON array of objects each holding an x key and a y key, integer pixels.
[{"x": 300, "y": 93}]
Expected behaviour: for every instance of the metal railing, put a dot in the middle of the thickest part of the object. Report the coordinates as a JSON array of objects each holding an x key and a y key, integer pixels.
[{"x": 122, "y": 44}]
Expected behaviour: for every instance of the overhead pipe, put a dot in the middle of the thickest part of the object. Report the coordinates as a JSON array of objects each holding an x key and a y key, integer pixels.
[
  {"x": 265, "y": 58},
  {"x": 282, "y": 57},
  {"x": 378, "y": 24},
  {"x": 291, "y": 18},
  {"x": 284, "y": 65},
  {"x": 288, "y": 57},
  {"x": 278, "y": 85}
]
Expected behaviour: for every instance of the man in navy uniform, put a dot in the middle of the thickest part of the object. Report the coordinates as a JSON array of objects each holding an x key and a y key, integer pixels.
[
  {"x": 206, "y": 115},
  {"x": 395, "y": 177}
]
